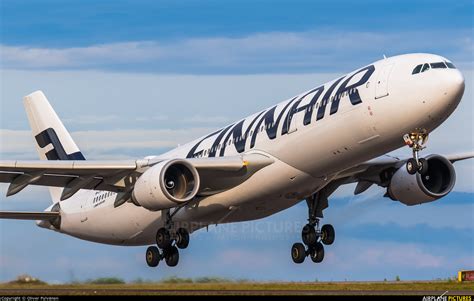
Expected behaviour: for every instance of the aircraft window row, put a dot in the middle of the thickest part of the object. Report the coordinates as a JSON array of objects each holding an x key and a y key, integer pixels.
[
  {"x": 102, "y": 196},
  {"x": 268, "y": 126},
  {"x": 438, "y": 65},
  {"x": 345, "y": 93},
  {"x": 233, "y": 141}
]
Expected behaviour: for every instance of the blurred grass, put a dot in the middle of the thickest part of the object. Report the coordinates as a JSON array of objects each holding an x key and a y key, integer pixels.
[
  {"x": 180, "y": 286},
  {"x": 106, "y": 280}
]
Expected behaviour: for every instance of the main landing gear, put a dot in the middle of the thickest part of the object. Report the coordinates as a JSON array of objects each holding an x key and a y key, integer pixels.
[
  {"x": 313, "y": 237},
  {"x": 167, "y": 243},
  {"x": 416, "y": 141}
]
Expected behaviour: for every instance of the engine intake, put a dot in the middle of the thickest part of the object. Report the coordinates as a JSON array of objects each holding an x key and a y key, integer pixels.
[
  {"x": 166, "y": 185},
  {"x": 417, "y": 189}
]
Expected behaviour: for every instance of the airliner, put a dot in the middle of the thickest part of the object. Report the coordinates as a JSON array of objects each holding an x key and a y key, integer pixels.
[{"x": 301, "y": 149}]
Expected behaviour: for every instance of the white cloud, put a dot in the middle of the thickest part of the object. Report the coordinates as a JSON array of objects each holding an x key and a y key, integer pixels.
[
  {"x": 377, "y": 254},
  {"x": 136, "y": 139},
  {"x": 208, "y": 119},
  {"x": 20, "y": 143},
  {"x": 372, "y": 208},
  {"x": 257, "y": 53},
  {"x": 147, "y": 101},
  {"x": 30, "y": 57},
  {"x": 247, "y": 259},
  {"x": 91, "y": 119}
]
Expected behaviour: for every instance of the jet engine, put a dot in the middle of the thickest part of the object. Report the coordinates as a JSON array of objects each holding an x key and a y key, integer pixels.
[
  {"x": 166, "y": 185},
  {"x": 416, "y": 189}
]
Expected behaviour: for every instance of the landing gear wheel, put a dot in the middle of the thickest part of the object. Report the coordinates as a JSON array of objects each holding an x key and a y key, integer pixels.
[
  {"x": 423, "y": 166},
  {"x": 182, "y": 238},
  {"x": 327, "y": 234},
  {"x": 317, "y": 253},
  {"x": 152, "y": 256},
  {"x": 308, "y": 234},
  {"x": 171, "y": 256},
  {"x": 163, "y": 238},
  {"x": 416, "y": 140},
  {"x": 412, "y": 166},
  {"x": 313, "y": 236},
  {"x": 298, "y": 252}
]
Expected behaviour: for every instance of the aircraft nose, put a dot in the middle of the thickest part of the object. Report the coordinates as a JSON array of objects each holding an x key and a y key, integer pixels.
[
  {"x": 454, "y": 86},
  {"x": 458, "y": 81}
]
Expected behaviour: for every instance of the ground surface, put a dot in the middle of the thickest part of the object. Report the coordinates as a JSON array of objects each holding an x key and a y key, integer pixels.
[{"x": 323, "y": 288}]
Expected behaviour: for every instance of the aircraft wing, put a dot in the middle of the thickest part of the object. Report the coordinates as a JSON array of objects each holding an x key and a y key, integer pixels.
[
  {"x": 376, "y": 171},
  {"x": 459, "y": 157},
  {"x": 216, "y": 174},
  {"x": 371, "y": 172},
  {"x": 72, "y": 175}
]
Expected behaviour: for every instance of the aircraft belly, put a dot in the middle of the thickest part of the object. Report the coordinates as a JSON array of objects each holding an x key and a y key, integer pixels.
[
  {"x": 268, "y": 191},
  {"x": 124, "y": 225}
]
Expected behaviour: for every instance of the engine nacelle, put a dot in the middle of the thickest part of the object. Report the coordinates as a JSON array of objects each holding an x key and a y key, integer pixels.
[
  {"x": 166, "y": 185},
  {"x": 417, "y": 189}
]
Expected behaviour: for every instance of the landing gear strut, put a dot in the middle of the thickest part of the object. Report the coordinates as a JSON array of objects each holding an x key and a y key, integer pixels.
[
  {"x": 168, "y": 243},
  {"x": 313, "y": 236},
  {"x": 416, "y": 141}
]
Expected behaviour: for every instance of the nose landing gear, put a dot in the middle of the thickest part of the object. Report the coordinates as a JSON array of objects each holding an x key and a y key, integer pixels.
[
  {"x": 416, "y": 141},
  {"x": 313, "y": 237}
]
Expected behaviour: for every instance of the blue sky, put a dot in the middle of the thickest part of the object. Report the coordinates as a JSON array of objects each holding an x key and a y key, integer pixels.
[
  {"x": 229, "y": 37},
  {"x": 50, "y": 23},
  {"x": 134, "y": 78}
]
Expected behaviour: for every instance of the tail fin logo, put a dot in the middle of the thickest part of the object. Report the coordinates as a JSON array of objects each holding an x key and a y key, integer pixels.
[{"x": 49, "y": 136}]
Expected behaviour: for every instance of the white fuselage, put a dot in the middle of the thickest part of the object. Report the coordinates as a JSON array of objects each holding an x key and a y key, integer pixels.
[{"x": 312, "y": 139}]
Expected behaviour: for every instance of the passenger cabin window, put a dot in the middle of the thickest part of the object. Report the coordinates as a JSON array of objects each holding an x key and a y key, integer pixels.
[
  {"x": 425, "y": 67},
  {"x": 417, "y": 69},
  {"x": 438, "y": 65}
]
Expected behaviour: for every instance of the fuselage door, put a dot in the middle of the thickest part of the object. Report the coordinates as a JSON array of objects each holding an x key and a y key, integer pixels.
[{"x": 381, "y": 86}]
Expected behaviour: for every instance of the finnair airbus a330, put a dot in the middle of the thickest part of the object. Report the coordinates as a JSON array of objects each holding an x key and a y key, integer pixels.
[{"x": 303, "y": 148}]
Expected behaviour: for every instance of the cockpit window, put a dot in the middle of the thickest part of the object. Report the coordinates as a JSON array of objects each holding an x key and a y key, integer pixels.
[
  {"x": 450, "y": 65},
  {"x": 435, "y": 65},
  {"x": 438, "y": 65},
  {"x": 425, "y": 67},
  {"x": 417, "y": 69}
]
